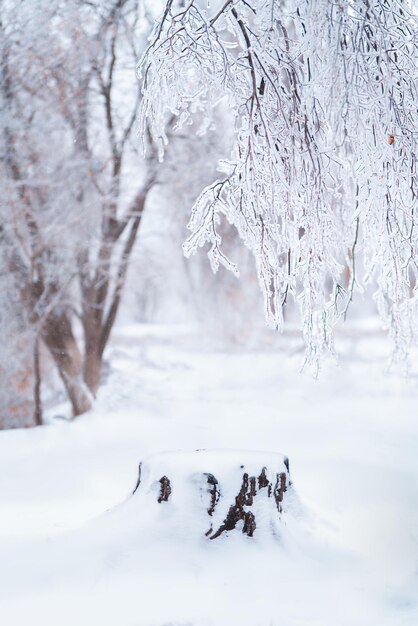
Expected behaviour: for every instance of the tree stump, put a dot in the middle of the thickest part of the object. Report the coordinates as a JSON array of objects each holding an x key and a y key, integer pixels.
[{"x": 217, "y": 491}]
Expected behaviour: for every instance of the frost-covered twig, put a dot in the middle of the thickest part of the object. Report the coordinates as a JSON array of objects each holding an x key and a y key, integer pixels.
[{"x": 325, "y": 102}]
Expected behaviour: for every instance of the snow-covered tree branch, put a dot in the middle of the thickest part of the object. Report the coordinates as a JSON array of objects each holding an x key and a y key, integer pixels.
[{"x": 323, "y": 174}]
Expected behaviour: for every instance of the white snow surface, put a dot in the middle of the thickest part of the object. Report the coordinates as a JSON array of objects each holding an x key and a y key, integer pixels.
[{"x": 77, "y": 548}]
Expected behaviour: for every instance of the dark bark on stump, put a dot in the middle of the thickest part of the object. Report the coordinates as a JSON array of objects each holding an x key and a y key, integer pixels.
[
  {"x": 215, "y": 494},
  {"x": 246, "y": 497},
  {"x": 165, "y": 489}
]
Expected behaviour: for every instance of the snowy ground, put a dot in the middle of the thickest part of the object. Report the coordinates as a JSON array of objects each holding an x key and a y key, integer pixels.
[{"x": 352, "y": 439}]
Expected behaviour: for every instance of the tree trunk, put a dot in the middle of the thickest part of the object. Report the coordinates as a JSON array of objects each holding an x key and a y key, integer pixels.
[
  {"x": 100, "y": 302},
  {"x": 37, "y": 384},
  {"x": 58, "y": 336},
  {"x": 93, "y": 351},
  {"x": 93, "y": 361}
]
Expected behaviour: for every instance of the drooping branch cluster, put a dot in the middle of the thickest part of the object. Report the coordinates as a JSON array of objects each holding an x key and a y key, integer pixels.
[{"x": 322, "y": 179}]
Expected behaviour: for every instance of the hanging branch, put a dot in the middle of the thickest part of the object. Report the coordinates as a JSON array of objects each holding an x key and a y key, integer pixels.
[{"x": 325, "y": 98}]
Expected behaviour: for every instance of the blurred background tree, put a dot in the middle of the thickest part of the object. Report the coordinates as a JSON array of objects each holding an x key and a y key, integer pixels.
[{"x": 75, "y": 184}]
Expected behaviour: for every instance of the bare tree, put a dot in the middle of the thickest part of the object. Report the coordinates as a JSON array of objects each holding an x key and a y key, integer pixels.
[
  {"x": 72, "y": 193},
  {"x": 324, "y": 167}
]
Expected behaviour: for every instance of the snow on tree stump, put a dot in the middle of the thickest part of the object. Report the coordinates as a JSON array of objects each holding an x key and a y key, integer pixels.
[{"x": 214, "y": 492}]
